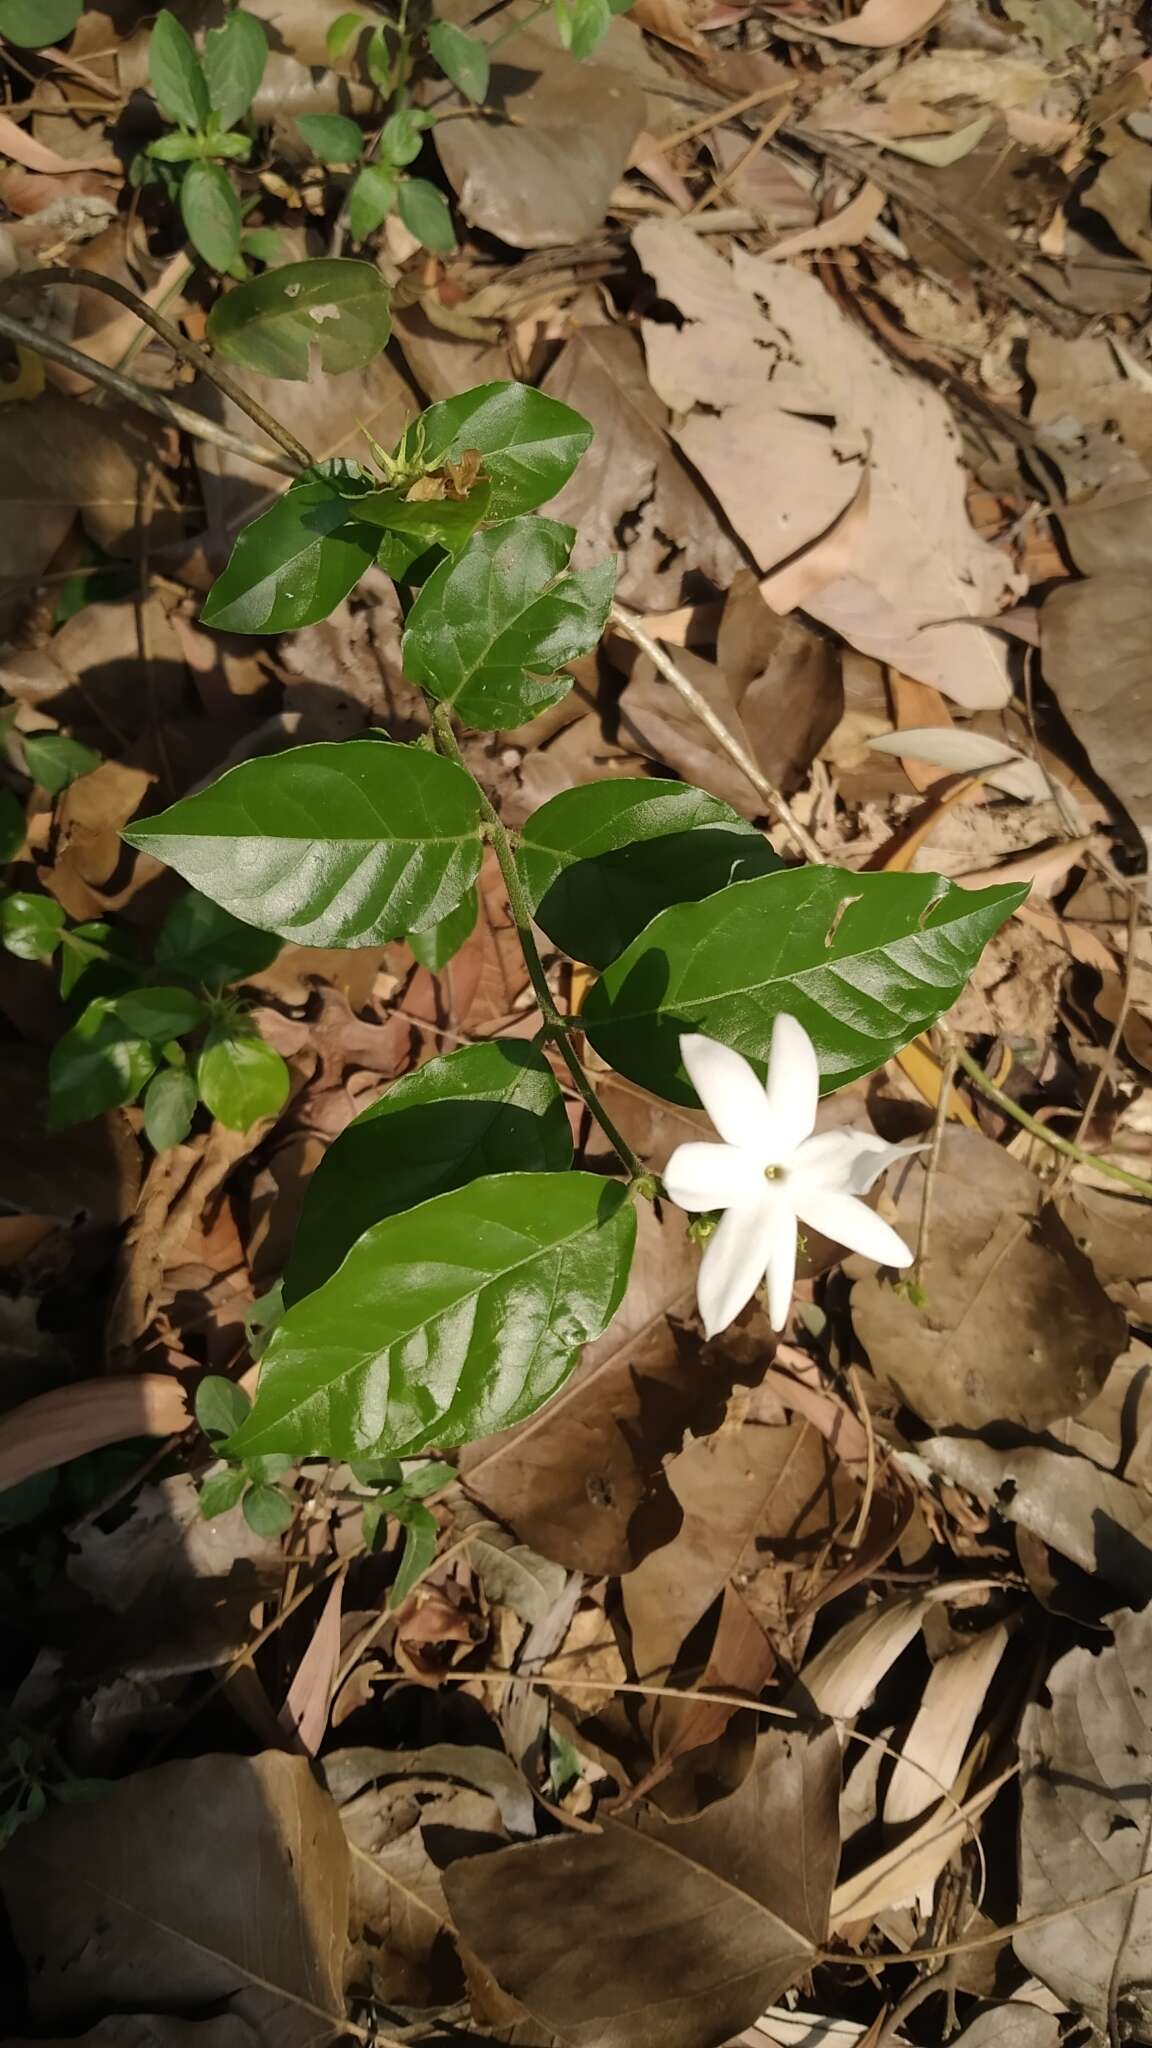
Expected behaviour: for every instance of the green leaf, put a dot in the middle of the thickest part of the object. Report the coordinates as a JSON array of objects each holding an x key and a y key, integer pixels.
[
  {"x": 169, "y": 1106},
  {"x": 582, "y": 24},
  {"x": 263, "y": 244},
  {"x": 178, "y": 83},
  {"x": 158, "y": 1014},
  {"x": 240, "y": 1078},
  {"x": 12, "y": 826},
  {"x": 486, "y": 1109},
  {"x": 211, "y": 214},
  {"x": 33, "y": 24},
  {"x": 220, "y": 1491},
  {"x": 96, "y": 1065},
  {"x": 441, "y": 522},
  {"x": 463, "y": 59},
  {"x": 402, "y": 136},
  {"x": 84, "y": 957},
  {"x": 332, "y": 137},
  {"x": 221, "y": 1406},
  {"x": 234, "y": 60},
  {"x": 178, "y": 147},
  {"x": 600, "y": 861},
  {"x": 331, "y": 304},
  {"x": 864, "y": 961},
  {"x": 426, "y": 214},
  {"x": 273, "y": 1466},
  {"x": 376, "y": 1471},
  {"x": 371, "y": 200},
  {"x": 342, "y": 843},
  {"x": 30, "y": 926},
  {"x": 203, "y": 943},
  {"x": 489, "y": 631},
  {"x": 293, "y": 565},
  {"x": 458, "y": 1318},
  {"x": 530, "y": 444},
  {"x": 268, "y": 1510},
  {"x": 436, "y": 946},
  {"x": 54, "y": 761},
  {"x": 340, "y": 34},
  {"x": 421, "y": 1536}
]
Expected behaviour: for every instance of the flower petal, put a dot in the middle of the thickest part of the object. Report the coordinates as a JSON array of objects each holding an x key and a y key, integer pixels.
[
  {"x": 713, "y": 1177},
  {"x": 734, "y": 1263},
  {"x": 849, "y": 1162},
  {"x": 793, "y": 1087},
  {"x": 731, "y": 1092},
  {"x": 781, "y": 1265},
  {"x": 851, "y": 1223}
]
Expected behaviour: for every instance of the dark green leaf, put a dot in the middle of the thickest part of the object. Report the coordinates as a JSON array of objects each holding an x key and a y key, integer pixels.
[
  {"x": 332, "y": 137},
  {"x": 221, "y": 1491},
  {"x": 211, "y": 213},
  {"x": 178, "y": 82},
  {"x": 221, "y": 1406},
  {"x": 376, "y": 1471},
  {"x": 489, "y": 630},
  {"x": 234, "y": 60},
  {"x": 582, "y": 24},
  {"x": 158, "y": 1014},
  {"x": 169, "y": 1106},
  {"x": 463, "y": 59},
  {"x": 96, "y": 1065},
  {"x": 426, "y": 214},
  {"x": 12, "y": 826},
  {"x": 84, "y": 957},
  {"x": 30, "y": 926},
  {"x": 530, "y": 443},
  {"x": 268, "y": 1510},
  {"x": 402, "y": 136},
  {"x": 435, "y": 947},
  {"x": 602, "y": 860},
  {"x": 261, "y": 1317},
  {"x": 344, "y": 843},
  {"x": 370, "y": 201},
  {"x": 444, "y": 522},
  {"x": 458, "y": 1318},
  {"x": 240, "y": 1078},
  {"x": 293, "y": 565},
  {"x": 203, "y": 943},
  {"x": 332, "y": 304},
  {"x": 486, "y": 1109},
  {"x": 864, "y": 961},
  {"x": 54, "y": 761},
  {"x": 33, "y": 24},
  {"x": 421, "y": 1536}
]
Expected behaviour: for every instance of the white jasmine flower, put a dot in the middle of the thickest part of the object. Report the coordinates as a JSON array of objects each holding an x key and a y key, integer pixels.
[{"x": 770, "y": 1174}]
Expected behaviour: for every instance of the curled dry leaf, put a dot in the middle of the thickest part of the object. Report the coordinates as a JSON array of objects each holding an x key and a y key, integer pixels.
[{"x": 52, "y": 1428}]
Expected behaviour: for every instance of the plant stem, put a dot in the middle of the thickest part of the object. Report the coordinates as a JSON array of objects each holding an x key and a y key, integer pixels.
[
  {"x": 556, "y": 1027},
  {"x": 976, "y": 1073}
]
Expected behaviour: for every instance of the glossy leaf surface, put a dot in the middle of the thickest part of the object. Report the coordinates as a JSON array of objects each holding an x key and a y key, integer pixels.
[
  {"x": 96, "y": 1065},
  {"x": 293, "y": 565},
  {"x": 30, "y": 926},
  {"x": 530, "y": 443},
  {"x": 332, "y": 305},
  {"x": 440, "y": 943},
  {"x": 205, "y": 944},
  {"x": 240, "y": 1078}
]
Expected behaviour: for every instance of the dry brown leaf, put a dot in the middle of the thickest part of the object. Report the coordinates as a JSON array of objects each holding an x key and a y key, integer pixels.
[
  {"x": 154, "y": 2030},
  {"x": 1112, "y": 530},
  {"x": 1101, "y": 1523},
  {"x": 842, "y": 1677},
  {"x": 935, "y": 1745},
  {"x": 741, "y": 1660},
  {"x": 840, "y": 231},
  {"x": 880, "y": 24},
  {"x": 304, "y": 1715},
  {"x": 1015, "y": 2025},
  {"x": 57, "y": 458},
  {"x": 1122, "y": 192},
  {"x": 1094, "y": 640},
  {"x": 66, "y": 1423},
  {"x": 911, "y": 1867}
]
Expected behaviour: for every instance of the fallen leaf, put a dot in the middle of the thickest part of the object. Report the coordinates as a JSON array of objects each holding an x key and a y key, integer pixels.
[
  {"x": 304, "y": 1715},
  {"x": 513, "y": 1575},
  {"x": 935, "y": 1745},
  {"x": 59, "y": 457},
  {"x": 1057, "y": 25},
  {"x": 841, "y": 230},
  {"x": 1122, "y": 192},
  {"x": 36, "y": 156},
  {"x": 1094, "y": 639},
  {"x": 958, "y": 751},
  {"x": 1101, "y": 1523},
  {"x": 52, "y": 1428},
  {"x": 880, "y": 24},
  {"x": 1014, "y": 2025}
]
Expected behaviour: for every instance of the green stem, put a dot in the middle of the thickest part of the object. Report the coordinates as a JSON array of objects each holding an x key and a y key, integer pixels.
[
  {"x": 555, "y": 1026},
  {"x": 1012, "y": 1109}
]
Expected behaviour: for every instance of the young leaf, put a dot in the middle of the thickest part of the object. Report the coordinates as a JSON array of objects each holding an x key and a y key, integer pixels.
[
  {"x": 448, "y": 523},
  {"x": 211, "y": 214},
  {"x": 293, "y": 565},
  {"x": 489, "y": 631},
  {"x": 421, "y": 1536},
  {"x": 54, "y": 761},
  {"x": 371, "y": 199},
  {"x": 178, "y": 83},
  {"x": 30, "y": 926},
  {"x": 486, "y": 1109},
  {"x": 530, "y": 443},
  {"x": 169, "y": 1106},
  {"x": 602, "y": 860},
  {"x": 96, "y": 1065},
  {"x": 864, "y": 961},
  {"x": 436, "y": 946},
  {"x": 263, "y": 244},
  {"x": 220, "y": 1491},
  {"x": 463, "y": 59},
  {"x": 426, "y": 214},
  {"x": 402, "y": 136},
  {"x": 582, "y": 24},
  {"x": 340, "y": 34},
  {"x": 456, "y": 1319},
  {"x": 332, "y": 137},
  {"x": 203, "y": 943},
  {"x": 234, "y": 60},
  {"x": 240, "y": 1078},
  {"x": 33, "y": 24},
  {"x": 12, "y": 826},
  {"x": 332, "y": 304},
  {"x": 221, "y": 1406},
  {"x": 346, "y": 843},
  {"x": 268, "y": 1510}
]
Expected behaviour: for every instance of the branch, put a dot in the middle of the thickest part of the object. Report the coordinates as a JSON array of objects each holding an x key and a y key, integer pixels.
[{"x": 1020, "y": 1116}]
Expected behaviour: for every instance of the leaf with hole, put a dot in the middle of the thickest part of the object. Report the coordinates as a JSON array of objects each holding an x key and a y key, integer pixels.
[
  {"x": 95, "y": 1066},
  {"x": 443, "y": 1324},
  {"x": 865, "y": 962},
  {"x": 441, "y": 942},
  {"x": 54, "y": 761},
  {"x": 346, "y": 843},
  {"x": 31, "y": 927},
  {"x": 490, "y": 631},
  {"x": 463, "y": 59},
  {"x": 234, "y": 60},
  {"x": 178, "y": 82},
  {"x": 485, "y": 1109},
  {"x": 600, "y": 861},
  {"x": 211, "y": 214},
  {"x": 332, "y": 305},
  {"x": 34, "y": 24},
  {"x": 530, "y": 443},
  {"x": 333, "y": 138},
  {"x": 169, "y": 1107},
  {"x": 293, "y": 565},
  {"x": 203, "y": 943},
  {"x": 240, "y": 1078},
  {"x": 426, "y": 214}
]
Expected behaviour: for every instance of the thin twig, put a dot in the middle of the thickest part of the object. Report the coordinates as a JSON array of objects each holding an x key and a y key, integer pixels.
[
  {"x": 167, "y": 409},
  {"x": 1020, "y": 1116},
  {"x": 728, "y": 112},
  {"x": 734, "y": 748},
  {"x": 943, "y": 1100}
]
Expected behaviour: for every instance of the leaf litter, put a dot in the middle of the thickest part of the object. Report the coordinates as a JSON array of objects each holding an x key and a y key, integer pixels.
[{"x": 762, "y": 1691}]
